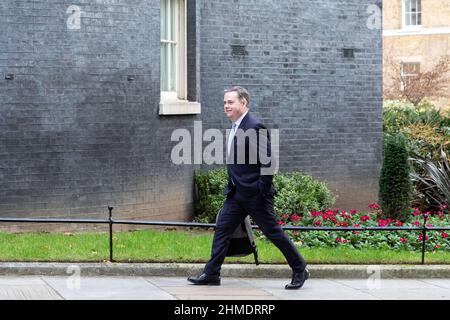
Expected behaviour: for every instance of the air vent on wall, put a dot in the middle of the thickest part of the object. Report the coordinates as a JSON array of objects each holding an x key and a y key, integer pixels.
[
  {"x": 349, "y": 53},
  {"x": 238, "y": 50}
]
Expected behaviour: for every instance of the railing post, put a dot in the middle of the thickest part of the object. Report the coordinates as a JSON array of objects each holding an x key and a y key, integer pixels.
[
  {"x": 424, "y": 236},
  {"x": 110, "y": 234}
]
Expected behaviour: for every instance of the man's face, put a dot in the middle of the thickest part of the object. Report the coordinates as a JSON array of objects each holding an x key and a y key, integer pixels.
[{"x": 232, "y": 106}]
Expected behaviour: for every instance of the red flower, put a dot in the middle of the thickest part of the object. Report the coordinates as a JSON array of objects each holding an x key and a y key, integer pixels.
[
  {"x": 339, "y": 240},
  {"x": 437, "y": 246},
  {"x": 444, "y": 235},
  {"x": 416, "y": 223},
  {"x": 281, "y": 222},
  {"x": 284, "y": 216},
  {"x": 383, "y": 223},
  {"x": 416, "y": 212},
  {"x": 421, "y": 237},
  {"x": 316, "y": 213},
  {"x": 345, "y": 216},
  {"x": 317, "y": 223},
  {"x": 330, "y": 212},
  {"x": 403, "y": 240},
  {"x": 343, "y": 224},
  {"x": 398, "y": 223},
  {"x": 295, "y": 234},
  {"x": 295, "y": 218},
  {"x": 364, "y": 218},
  {"x": 353, "y": 211},
  {"x": 374, "y": 206}
]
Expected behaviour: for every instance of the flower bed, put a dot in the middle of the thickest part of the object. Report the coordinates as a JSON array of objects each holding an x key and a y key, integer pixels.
[{"x": 397, "y": 240}]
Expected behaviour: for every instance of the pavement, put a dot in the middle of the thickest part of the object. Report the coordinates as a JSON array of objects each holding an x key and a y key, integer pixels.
[
  {"x": 177, "y": 288},
  {"x": 128, "y": 281}
]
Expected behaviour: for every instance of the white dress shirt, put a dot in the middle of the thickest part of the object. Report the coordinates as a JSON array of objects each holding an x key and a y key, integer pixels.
[{"x": 234, "y": 128}]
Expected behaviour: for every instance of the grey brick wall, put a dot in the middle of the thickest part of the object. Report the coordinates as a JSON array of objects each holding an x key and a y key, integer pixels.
[
  {"x": 327, "y": 107},
  {"x": 75, "y": 134}
]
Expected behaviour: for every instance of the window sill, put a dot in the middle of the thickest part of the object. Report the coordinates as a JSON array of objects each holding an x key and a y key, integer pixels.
[{"x": 178, "y": 107}]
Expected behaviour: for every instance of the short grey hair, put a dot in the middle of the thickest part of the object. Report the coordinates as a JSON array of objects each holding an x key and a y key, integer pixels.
[{"x": 243, "y": 94}]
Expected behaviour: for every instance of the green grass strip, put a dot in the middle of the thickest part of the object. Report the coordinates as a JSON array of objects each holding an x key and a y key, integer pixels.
[{"x": 179, "y": 246}]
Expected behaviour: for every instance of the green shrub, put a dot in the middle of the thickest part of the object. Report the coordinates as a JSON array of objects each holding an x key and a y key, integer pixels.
[
  {"x": 395, "y": 187},
  {"x": 437, "y": 182},
  {"x": 209, "y": 186},
  {"x": 423, "y": 126},
  {"x": 399, "y": 115},
  {"x": 297, "y": 193},
  {"x": 426, "y": 130}
]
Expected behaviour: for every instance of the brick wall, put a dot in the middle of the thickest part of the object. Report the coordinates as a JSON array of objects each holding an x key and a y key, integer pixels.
[
  {"x": 75, "y": 134},
  {"x": 327, "y": 107}
]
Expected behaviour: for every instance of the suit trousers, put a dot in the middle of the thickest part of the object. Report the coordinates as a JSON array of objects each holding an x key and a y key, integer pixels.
[{"x": 260, "y": 208}]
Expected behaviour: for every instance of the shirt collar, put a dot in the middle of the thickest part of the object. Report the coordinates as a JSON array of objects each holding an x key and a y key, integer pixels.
[{"x": 238, "y": 121}]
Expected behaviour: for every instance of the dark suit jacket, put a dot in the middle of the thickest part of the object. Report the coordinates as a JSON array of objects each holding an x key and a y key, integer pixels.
[{"x": 244, "y": 170}]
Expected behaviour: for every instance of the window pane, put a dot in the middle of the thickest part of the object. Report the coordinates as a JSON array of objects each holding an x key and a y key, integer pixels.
[
  {"x": 407, "y": 6},
  {"x": 413, "y": 6},
  {"x": 172, "y": 20},
  {"x": 408, "y": 19},
  {"x": 164, "y": 66},
  {"x": 419, "y": 5},
  {"x": 410, "y": 68},
  {"x": 164, "y": 19},
  {"x": 172, "y": 76},
  {"x": 419, "y": 19},
  {"x": 413, "y": 19}
]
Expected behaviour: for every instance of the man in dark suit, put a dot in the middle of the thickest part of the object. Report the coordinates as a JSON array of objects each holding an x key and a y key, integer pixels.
[{"x": 249, "y": 191}]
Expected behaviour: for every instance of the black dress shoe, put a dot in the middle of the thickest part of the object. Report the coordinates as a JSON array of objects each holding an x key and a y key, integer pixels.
[
  {"x": 298, "y": 279},
  {"x": 204, "y": 279}
]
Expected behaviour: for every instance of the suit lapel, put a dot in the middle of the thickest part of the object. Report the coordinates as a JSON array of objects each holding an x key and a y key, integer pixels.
[{"x": 243, "y": 124}]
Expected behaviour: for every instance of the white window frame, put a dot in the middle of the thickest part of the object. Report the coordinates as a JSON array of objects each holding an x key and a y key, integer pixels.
[
  {"x": 175, "y": 102},
  {"x": 407, "y": 75},
  {"x": 179, "y": 41},
  {"x": 404, "y": 24}
]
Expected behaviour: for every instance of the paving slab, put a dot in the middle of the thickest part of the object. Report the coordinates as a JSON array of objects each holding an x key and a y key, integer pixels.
[
  {"x": 26, "y": 288},
  {"x": 411, "y": 294},
  {"x": 439, "y": 283},
  {"x": 111, "y": 288},
  {"x": 313, "y": 289}
]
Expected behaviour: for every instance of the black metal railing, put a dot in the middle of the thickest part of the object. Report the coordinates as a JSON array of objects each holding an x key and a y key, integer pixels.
[{"x": 110, "y": 221}]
